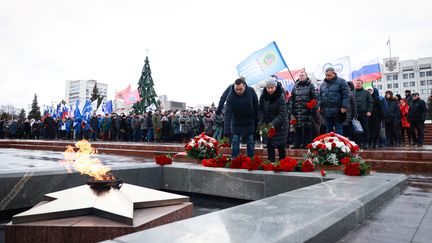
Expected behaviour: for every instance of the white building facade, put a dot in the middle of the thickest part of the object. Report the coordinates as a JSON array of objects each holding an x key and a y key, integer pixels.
[
  {"x": 82, "y": 90},
  {"x": 414, "y": 75}
]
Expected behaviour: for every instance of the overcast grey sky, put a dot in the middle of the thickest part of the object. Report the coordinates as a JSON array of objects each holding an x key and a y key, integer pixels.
[{"x": 194, "y": 46}]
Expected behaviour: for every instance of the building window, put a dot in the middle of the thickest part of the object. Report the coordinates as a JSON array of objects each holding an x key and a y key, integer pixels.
[
  {"x": 412, "y": 83},
  {"x": 422, "y": 82},
  {"x": 428, "y": 73},
  {"x": 405, "y": 84},
  {"x": 395, "y": 77},
  {"x": 411, "y": 75},
  {"x": 422, "y": 74},
  {"x": 395, "y": 86},
  {"x": 405, "y": 76},
  {"x": 389, "y": 86},
  {"x": 380, "y": 86},
  {"x": 389, "y": 77},
  {"x": 424, "y": 91},
  {"x": 429, "y": 82}
]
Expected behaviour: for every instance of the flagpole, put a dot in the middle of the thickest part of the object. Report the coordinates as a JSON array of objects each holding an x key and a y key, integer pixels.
[
  {"x": 283, "y": 60},
  {"x": 290, "y": 73},
  {"x": 389, "y": 44}
]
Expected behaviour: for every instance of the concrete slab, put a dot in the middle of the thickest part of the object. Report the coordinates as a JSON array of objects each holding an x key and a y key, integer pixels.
[{"x": 318, "y": 213}]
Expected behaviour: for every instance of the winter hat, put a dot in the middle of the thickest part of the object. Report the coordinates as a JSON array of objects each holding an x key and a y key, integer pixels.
[{"x": 271, "y": 81}]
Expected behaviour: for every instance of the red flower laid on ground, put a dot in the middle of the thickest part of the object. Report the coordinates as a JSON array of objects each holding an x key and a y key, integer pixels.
[
  {"x": 352, "y": 169},
  {"x": 323, "y": 172},
  {"x": 222, "y": 161},
  {"x": 267, "y": 166},
  {"x": 256, "y": 162},
  {"x": 271, "y": 132},
  {"x": 236, "y": 163},
  {"x": 209, "y": 162},
  {"x": 246, "y": 164},
  {"x": 287, "y": 164},
  {"x": 311, "y": 104},
  {"x": 293, "y": 122},
  {"x": 307, "y": 166},
  {"x": 345, "y": 160},
  {"x": 163, "y": 160}
]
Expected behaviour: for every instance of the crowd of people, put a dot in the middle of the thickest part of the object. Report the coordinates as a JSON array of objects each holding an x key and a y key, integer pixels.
[{"x": 296, "y": 117}]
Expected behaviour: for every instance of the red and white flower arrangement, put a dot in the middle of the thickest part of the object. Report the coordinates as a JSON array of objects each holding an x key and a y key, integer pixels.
[
  {"x": 202, "y": 147},
  {"x": 334, "y": 150}
]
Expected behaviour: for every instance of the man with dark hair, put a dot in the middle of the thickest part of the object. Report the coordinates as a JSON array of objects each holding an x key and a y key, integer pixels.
[
  {"x": 241, "y": 116},
  {"x": 408, "y": 97},
  {"x": 302, "y": 93},
  {"x": 333, "y": 101},
  {"x": 364, "y": 104},
  {"x": 416, "y": 117}
]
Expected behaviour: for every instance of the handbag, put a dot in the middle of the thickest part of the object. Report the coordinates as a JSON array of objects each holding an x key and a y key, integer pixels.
[{"x": 357, "y": 127}]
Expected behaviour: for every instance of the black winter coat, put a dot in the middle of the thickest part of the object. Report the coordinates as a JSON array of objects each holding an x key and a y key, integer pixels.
[
  {"x": 417, "y": 110},
  {"x": 273, "y": 111},
  {"x": 364, "y": 101},
  {"x": 393, "y": 111},
  {"x": 241, "y": 114},
  {"x": 302, "y": 93},
  {"x": 333, "y": 95}
]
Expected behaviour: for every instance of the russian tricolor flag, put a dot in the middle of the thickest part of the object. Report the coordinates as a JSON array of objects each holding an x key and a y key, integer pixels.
[{"x": 366, "y": 71}]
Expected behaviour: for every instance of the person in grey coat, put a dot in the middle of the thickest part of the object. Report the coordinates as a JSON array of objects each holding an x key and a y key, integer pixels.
[
  {"x": 350, "y": 114},
  {"x": 333, "y": 101},
  {"x": 273, "y": 111}
]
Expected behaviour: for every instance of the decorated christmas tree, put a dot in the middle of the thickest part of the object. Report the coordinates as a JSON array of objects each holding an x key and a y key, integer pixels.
[{"x": 145, "y": 89}]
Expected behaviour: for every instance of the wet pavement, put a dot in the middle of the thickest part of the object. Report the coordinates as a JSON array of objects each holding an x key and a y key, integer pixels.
[
  {"x": 18, "y": 160},
  {"x": 406, "y": 218}
]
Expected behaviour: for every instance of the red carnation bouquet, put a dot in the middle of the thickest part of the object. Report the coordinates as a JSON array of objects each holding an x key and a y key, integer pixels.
[
  {"x": 163, "y": 160},
  {"x": 311, "y": 104}
]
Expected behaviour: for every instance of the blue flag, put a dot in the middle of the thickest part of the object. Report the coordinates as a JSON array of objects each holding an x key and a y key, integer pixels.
[
  {"x": 77, "y": 112},
  {"x": 261, "y": 64},
  {"x": 108, "y": 107},
  {"x": 86, "y": 111}
]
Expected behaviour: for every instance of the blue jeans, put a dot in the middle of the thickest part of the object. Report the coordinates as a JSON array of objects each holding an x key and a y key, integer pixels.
[
  {"x": 235, "y": 145},
  {"x": 332, "y": 124},
  {"x": 150, "y": 134}
]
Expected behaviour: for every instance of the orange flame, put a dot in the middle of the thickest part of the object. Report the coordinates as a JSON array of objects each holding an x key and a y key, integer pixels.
[{"x": 83, "y": 162}]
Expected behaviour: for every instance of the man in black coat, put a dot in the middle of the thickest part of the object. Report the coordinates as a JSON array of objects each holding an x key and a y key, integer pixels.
[
  {"x": 302, "y": 93},
  {"x": 364, "y": 104},
  {"x": 416, "y": 117},
  {"x": 333, "y": 101},
  {"x": 242, "y": 112}
]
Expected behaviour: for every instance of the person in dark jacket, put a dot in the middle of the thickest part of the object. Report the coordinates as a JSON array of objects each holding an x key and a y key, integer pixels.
[
  {"x": 333, "y": 101},
  {"x": 49, "y": 126},
  {"x": 391, "y": 116},
  {"x": 94, "y": 124},
  {"x": 302, "y": 93},
  {"x": 242, "y": 114},
  {"x": 273, "y": 112},
  {"x": 375, "y": 119},
  {"x": 351, "y": 113},
  {"x": 416, "y": 117},
  {"x": 123, "y": 128},
  {"x": 220, "y": 107},
  {"x": 364, "y": 104}
]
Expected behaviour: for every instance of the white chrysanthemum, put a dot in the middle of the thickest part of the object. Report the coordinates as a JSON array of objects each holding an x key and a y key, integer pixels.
[
  {"x": 328, "y": 146},
  {"x": 345, "y": 149},
  {"x": 339, "y": 144},
  {"x": 331, "y": 158}
]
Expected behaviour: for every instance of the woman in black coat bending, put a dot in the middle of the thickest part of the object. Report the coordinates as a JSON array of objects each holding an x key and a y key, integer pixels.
[{"x": 272, "y": 111}]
